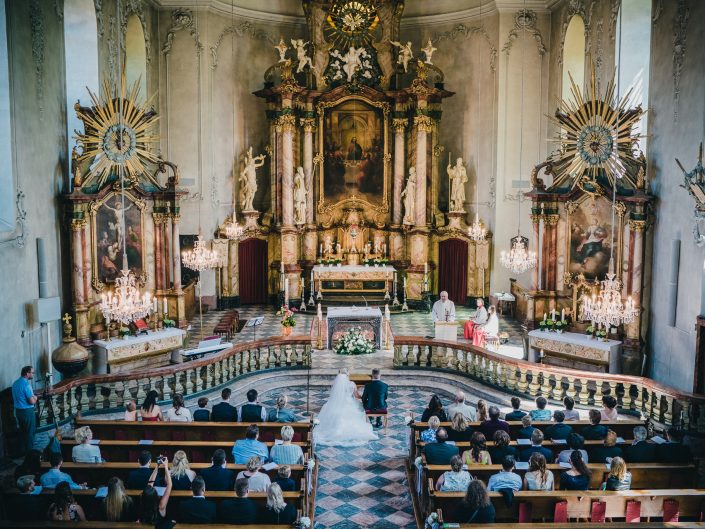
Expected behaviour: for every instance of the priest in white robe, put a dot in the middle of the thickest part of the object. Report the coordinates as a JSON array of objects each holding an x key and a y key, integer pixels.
[
  {"x": 479, "y": 319},
  {"x": 443, "y": 309}
]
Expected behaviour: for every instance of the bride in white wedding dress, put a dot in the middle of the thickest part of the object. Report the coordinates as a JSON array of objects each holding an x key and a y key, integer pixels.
[{"x": 342, "y": 420}]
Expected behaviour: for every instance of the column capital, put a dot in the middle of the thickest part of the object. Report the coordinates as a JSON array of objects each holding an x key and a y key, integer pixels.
[
  {"x": 399, "y": 124},
  {"x": 175, "y": 217},
  {"x": 637, "y": 225},
  {"x": 285, "y": 123},
  {"x": 309, "y": 124},
  {"x": 550, "y": 220},
  {"x": 160, "y": 218},
  {"x": 78, "y": 224},
  {"x": 423, "y": 123}
]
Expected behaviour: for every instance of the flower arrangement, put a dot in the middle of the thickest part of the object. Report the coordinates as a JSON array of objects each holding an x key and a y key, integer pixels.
[
  {"x": 560, "y": 325},
  {"x": 168, "y": 323},
  {"x": 303, "y": 523},
  {"x": 124, "y": 332},
  {"x": 543, "y": 324},
  {"x": 354, "y": 342},
  {"x": 287, "y": 315},
  {"x": 601, "y": 333},
  {"x": 590, "y": 330}
]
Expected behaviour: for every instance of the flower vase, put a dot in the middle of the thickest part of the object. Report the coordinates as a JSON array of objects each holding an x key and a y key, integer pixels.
[
  {"x": 340, "y": 264},
  {"x": 286, "y": 330}
]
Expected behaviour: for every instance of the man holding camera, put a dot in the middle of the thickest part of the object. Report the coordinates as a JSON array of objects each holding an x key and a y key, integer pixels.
[{"x": 24, "y": 400}]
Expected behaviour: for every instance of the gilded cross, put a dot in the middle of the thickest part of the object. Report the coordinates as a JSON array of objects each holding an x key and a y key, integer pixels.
[{"x": 67, "y": 319}]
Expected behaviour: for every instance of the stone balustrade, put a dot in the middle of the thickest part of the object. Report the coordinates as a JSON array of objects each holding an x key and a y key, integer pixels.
[
  {"x": 108, "y": 393},
  {"x": 641, "y": 396}
]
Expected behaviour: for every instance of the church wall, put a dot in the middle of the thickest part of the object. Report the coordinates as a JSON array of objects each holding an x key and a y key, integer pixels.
[{"x": 676, "y": 128}]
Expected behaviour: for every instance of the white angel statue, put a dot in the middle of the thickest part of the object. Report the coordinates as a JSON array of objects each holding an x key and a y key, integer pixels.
[
  {"x": 303, "y": 59},
  {"x": 248, "y": 179},
  {"x": 405, "y": 54}
]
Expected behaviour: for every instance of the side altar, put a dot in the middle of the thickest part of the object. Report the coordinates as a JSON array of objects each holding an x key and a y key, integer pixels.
[
  {"x": 575, "y": 350},
  {"x": 146, "y": 350}
]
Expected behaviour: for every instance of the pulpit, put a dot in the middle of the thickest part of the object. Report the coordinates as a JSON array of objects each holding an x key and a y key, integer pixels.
[{"x": 446, "y": 331}]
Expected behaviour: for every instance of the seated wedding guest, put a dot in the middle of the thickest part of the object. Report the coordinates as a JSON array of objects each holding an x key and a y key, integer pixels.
[
  {"x": 197, "y": 509},
  {"x": 505, "y": 478},
  {"x": 540, "y": 413},
  {"x": 131, "y": 413},
  {"x": 117, "y": 506},
  {"x": 253, "y": 411},
  {"x": 478, "y": 454},
  {"x": 502, "y": 448},
  {"x": 216, "y": 476},
  {"x": 673, "y": 451},
  {"x": 480, "y": 318},
  {"x": 202, "y": 414},
  {"x": 569, "y": 412},
  {"x": 516, "y": 414},
  {"x": 456, "y": 479},
  {"x": 223, "y": 411},
  {"x": 536, "y": 446},
  {"x": 286, "y": 453},
  {"x": 459, "y": 429},
  {"x": 619, "y": 477},
  {"x": 277, "y": 511},
  {"x": 280, "y": 413},
  {"x": 481, "y": 410},
  {"x": 240, "y": 510},
  {"x": 257, "y": 481},
  {"x": 244, "y": 449},
  {"x": 52, "y": 477},
  {"x": 490, "y": 329},
  {"x": 181, "y": 474},
  {"x": 596, "y": 431},
  {"x": 178, "y": 412},
  {"x": 429, "y": 434},
  {"x": 440, "y": 452},
  {"x": 459, "y": 405},
  {"x": 494, "y": 423},
  {"x": 152, "y": 510},
  {"x": 600, "y": 454},
  {"x": 538, "y": 478},
  {"x": 575, "y": 442},
  {"x": 32, "y": 465},
  {"x": 64, "y": 507},
  {"x": 578, "y": 476},
  {"x": 476, "y": 507},
  {"x": 526, "y": 429},
  {"x": 137, "y": 479},
  {"x": 641, "y": 450},
  {"x": 609, "y": 408},
  {"x": 559, "y": 430},
  {"x": 26, "y": 506},
  {"x": 84, "y": 451},
  {"x": 150, "y": 410},
  {"x": 435, "y": 407},
  {"x": 284, "y": 479}
]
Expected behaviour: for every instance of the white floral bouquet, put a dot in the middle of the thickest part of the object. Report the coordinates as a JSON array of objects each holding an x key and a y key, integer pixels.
[{"x": 354, "y": 342}]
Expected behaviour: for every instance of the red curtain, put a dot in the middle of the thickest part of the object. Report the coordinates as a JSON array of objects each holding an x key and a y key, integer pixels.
[
  {"x": 453, "y": 269},
  {"x": 252, "y": 261}
]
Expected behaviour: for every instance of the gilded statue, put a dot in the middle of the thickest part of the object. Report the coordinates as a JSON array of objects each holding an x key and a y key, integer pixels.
[
  {"x": 300, "y": 194},
  {"x": 409, "y": 197},
  {"x": 458, "y": 178},
  {"x": 248, "y": 179}
]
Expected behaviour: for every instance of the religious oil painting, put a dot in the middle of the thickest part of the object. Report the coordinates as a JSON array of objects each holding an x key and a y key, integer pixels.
[
  {"x": 590, "y": 231},
  {"x": 354, "y": 147},
  {"x": 110, "y": 241}
]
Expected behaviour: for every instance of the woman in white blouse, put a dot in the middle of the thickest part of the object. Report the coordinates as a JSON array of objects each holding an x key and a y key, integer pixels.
[
  {"x": 84, "y": 451},
  {"x": 178, "y": 413},
  {"x": 257, "y": 481}
]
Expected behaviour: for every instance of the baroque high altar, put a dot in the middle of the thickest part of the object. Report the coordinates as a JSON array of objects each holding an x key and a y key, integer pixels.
[{"x": 355, "y": 163}]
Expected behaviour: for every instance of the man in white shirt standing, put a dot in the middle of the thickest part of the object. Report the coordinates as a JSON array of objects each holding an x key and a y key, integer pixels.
[
  {"x": 443, "y": 309},
  {"x": 479, "y": 319}
]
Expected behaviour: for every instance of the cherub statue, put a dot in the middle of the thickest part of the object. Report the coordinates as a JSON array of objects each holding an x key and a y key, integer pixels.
[
  {"x": 458, "y": 178},
  {"x": 281, "y": 48},
  {"x": 409, "y": 197},
  {"x": 428, "y": 50},
  {"x": 300, "y": 193},
  {"x": 351, "y": 61},
  {"x": 303, "y": 59},
  {"x": 248, "y": 179},
  {"x": 405, "y": 54}
]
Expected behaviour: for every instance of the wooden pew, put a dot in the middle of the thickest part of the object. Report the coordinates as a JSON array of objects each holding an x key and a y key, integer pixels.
[
  {"x": 196, "y": 451},
  {"x": 98, "y": 474},
  {"x": 644, "y": 475},
  {"x": 191, "y": 431},
  {"x": 579, "y": 503}
]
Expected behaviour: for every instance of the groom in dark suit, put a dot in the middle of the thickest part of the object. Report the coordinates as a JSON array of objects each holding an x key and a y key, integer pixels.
[{"x": 374, "y": 397}]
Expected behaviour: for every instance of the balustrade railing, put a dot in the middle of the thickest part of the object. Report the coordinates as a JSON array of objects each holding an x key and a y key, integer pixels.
[
  {"x": 105, "y": 393},
  {"x": 661, "y": 404}
]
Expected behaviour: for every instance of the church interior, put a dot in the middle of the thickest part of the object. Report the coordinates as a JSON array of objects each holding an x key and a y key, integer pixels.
[{"x": 472, "y": 221}]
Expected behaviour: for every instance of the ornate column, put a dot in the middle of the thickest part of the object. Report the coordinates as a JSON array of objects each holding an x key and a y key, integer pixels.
[
  {"x": 535, "y": 223},
  {"x": 180, "y": 316},
  {"x": 424, "y": 125},
  {"x": 551, "y": 236},
  {"x": 77, "y": 280},
  {"x": 631, "y": 359},
  {"x": 158, "y": 220},
  {"x": 310, "y": 235},
  {"x": 399, "y": 125}
]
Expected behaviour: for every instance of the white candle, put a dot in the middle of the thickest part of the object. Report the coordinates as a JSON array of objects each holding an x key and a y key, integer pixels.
[
  {"x": 404, "y": 283},
  {"x": 562, "y": 314},
  {"x": 386, "y": 311},
  {"x": 544, "y": 316},
  {"x": 320, "y": 249},
  {"x": 282, "y": 267},
  {"x": 154, "y": 305},
  {"x": 286, "y": 291},
  {"x": 425, "y": 268},
  {"x": 311, "y": 283},
  {"x": 165, "y": 307},
  {"x": 320, "y": 312},
  {"x": 553, "y": 314}
]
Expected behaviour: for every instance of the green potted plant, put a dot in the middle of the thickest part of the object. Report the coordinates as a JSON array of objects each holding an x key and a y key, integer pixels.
[
  {"x": 543, "y": 324},
  {"x": 168, "y": 323},
  {"x": 590, "y": 332},
  {"x": 560, "y": 326},
  {"x": 124, "y": 332},
  {"x": 288, "y": 321},
  {"x": 601, "y": 334},
  {"x": 550, "y": 325}
]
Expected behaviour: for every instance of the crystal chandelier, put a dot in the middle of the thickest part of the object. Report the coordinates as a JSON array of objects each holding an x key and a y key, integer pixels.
[
  {"x": 125, "y": 304},
  {"x": 234, "y": 230},
  {"x": 200, "y": 258},
  {"x": 477, "y": 231},
  {"x": 518, "y": 259},
  {"x": 607, "y": 308}
]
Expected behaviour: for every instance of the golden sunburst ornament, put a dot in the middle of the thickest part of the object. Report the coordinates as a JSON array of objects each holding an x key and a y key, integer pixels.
[
  {"x": 117, "y": 136},
  {"x": 597, "y": 136}
]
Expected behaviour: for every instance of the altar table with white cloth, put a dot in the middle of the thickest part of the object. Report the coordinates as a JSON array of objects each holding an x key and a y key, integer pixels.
[
  {"x": 364, "y": 316},
  {"x": 575, "y": 350},
  {"x": 145, "y": 350}
]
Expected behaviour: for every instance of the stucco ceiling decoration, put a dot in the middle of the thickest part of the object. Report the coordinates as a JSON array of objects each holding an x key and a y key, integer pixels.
[
  {"x": 244, "y": 28},
  {"x": 525, "y": 20},
  {"x": 461, "y": 30}
]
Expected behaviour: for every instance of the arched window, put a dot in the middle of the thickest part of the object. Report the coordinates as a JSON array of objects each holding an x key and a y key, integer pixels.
[
  {"x": 7, "y": 185},
  {"x": 634, "y": 33},
  {"x": 573, "y": 56},
  {"x": 81, "y": 59},
  {"x": 135, "y": 55}
]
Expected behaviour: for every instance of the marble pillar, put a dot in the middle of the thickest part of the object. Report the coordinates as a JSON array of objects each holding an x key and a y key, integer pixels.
[
  {"x": 309, "y": 125},
  {"x": 176, "y": 253},
  {"x": 423, "y": 125},
  {"x": 77, "y": 242},
  {"x": 535, "y": 223},
  {"x": 286, "y": 125},
  {"x": 158, "y": 257},
  {"x": 399, "y": 125}
]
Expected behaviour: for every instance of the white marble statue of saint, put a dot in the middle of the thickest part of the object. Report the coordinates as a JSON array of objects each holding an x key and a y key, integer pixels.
[
  {"x": 405, "y": 54},
  {"x": 458, "y": 178},
  {"x": 300, "y": 193},
  {"x": 428, "y": 51},
  {"x": 351, "y": 62},
  {"x": 248, "y": 179},
  {"x": 303, "y": 59},
  {"x": 409, "y": 197},
  {"x": 281, "y": 48}
]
